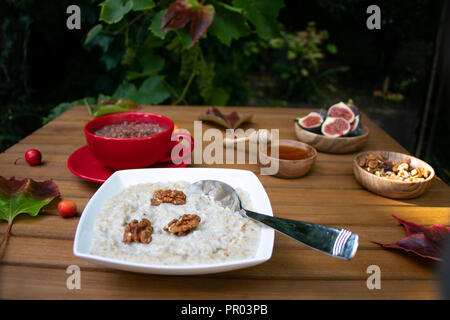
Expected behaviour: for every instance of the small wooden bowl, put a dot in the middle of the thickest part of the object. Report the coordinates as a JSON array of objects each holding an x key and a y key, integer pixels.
[
  {"x": 392, "y": 188},
  {"x": 332, "y": 145},
  {"x": 291, "y": 168}
]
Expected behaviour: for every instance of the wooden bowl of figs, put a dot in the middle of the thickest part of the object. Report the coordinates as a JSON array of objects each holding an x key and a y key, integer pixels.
[{"x": 336, "y": 130}]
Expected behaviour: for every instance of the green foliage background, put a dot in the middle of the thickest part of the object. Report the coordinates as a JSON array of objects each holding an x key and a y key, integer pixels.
[
  {"x": 159, "y": 67},
  {"x": 122, "y": 52}
]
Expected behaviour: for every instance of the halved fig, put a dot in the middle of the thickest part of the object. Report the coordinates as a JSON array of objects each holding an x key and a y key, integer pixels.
[
  {"x": 312, "y": 122},
  {"x": 335, "y": 127},
  {"x": 341, "y": 110},
  {"x": 355, "y": 127},
  {"x": 323, "y": 113}
]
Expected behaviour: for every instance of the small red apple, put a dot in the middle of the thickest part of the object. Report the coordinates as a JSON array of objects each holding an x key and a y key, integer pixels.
[
  {"x": 33, "y": 157},
  {"x": 67, "y": 208}
]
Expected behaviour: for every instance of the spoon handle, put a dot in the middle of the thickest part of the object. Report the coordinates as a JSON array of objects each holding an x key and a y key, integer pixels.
[{"x": 339, "y": 243}]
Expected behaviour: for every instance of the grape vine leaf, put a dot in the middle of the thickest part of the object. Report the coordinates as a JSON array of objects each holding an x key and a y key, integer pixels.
[
  {"x": 181, "y": 12},
  {"x": 184, "y": 38},
  {"x": 113, "y": 10},
  {"x": 228, "y": 25},
  {"x": 112, "y": 60},
  {"x": 123, "y": 90},
  {"x": 201, "y": 22},
  {"x": 150, "y": 43},
  {"x": 96, "y": 37},
  {"x": 23, "y": 196},
  {"x": 110, "y": 106},
  {"x": 155, "y": 26},
  {"x": 151, "y": 63},
  {"x": 270, "y": 8},
  {"x": 93, "y": 33},
  {"x": 177, "y": 15},
  {"x": 152, "y": 91},
  {"x": 226, "y": 6},
  {"x": 139, "y": 5},
  {"x": 262, "y": 14}
]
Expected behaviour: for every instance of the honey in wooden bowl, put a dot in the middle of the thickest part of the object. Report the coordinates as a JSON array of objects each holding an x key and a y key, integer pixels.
[
  {"x": 295, "y": 158},
  {"x": 288, "y": 152}
]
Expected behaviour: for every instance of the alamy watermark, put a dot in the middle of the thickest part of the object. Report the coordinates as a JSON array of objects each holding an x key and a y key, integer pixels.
[
  {"x": 374, "y": 20},
  {"x": 374, "y": 280},
  {"x": 74, "y": 280},
  {"x": 74, "y": 20}
]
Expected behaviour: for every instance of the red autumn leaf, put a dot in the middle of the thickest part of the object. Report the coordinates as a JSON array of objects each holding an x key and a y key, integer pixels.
[
  {"x": 173, "y": 11},
  {"x": 426, "y": 242},
  {"x": 230, "y": 121},
  {"x": 201, "y": 22},
  {"x": 436, "y": 232},
  {"x": 177, "y": 17},
  {"x": 180, "y": 13}
]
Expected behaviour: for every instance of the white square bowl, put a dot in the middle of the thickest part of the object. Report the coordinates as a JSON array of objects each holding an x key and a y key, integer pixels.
[{"x": 246, "y": 180}]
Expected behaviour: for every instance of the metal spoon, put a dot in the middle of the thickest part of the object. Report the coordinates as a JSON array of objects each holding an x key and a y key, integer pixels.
[{"x": 338, "y": 243}]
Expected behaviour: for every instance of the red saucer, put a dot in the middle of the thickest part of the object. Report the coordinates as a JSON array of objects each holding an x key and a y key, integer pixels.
[{"x": 83, "y": 164}]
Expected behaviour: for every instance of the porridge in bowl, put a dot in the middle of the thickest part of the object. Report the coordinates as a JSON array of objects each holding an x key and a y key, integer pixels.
[
  {"x": 167, "y": 224},
  {"x": 129, "y": 130}
]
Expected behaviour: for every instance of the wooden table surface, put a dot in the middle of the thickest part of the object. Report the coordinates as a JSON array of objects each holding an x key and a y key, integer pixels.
[{"x": 34, "y": 262}]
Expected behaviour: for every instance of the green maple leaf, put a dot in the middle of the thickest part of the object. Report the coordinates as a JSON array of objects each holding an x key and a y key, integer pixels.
[{"x": 23, "y": 196}]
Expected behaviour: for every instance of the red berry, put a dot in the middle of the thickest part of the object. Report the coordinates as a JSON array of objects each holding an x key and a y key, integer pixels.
[
  {"x": 67, "y": 208},
  {"x": 33, "y": 157}
]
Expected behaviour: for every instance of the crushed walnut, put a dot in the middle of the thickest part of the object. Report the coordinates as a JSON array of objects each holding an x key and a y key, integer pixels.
[
  {"x": 183, "y": 225},
  {"x": 168, "y": 196},
  {"x": 380, "y": 166},
  {"x": 140, "y": 232}
]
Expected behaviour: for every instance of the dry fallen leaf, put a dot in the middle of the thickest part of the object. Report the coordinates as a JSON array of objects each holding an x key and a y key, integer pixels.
[{"x": 426, "y": 242}]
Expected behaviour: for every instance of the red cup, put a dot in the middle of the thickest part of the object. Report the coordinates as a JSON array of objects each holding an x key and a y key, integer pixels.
[{"x": 129, "y": 153}]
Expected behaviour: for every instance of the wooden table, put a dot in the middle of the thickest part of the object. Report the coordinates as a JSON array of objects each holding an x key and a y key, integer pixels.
[{"x": 39, "y": 250}]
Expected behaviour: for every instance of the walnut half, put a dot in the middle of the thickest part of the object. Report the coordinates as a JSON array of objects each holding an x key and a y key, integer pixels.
[
  {"x": 183, "y": 225},
  {"x": 168, "y": 196},
  {"x": 140, "y": 232}
]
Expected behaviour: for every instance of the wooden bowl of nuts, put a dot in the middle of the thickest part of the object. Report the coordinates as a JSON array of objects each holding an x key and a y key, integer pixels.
[{"x": 392, "y": 174}]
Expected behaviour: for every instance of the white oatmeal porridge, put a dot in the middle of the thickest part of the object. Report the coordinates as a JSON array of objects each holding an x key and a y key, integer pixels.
[{"x": 221, "y": 235}]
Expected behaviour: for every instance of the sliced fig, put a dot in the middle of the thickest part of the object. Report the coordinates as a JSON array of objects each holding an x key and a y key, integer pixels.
[
  {"x": 335, "y": 127},
  {"x": 323, "y": 113},
  {"x": 355, "y": 127},
  {"x": 341, "y": 110},
  {"x": 312, "y": 122}
]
